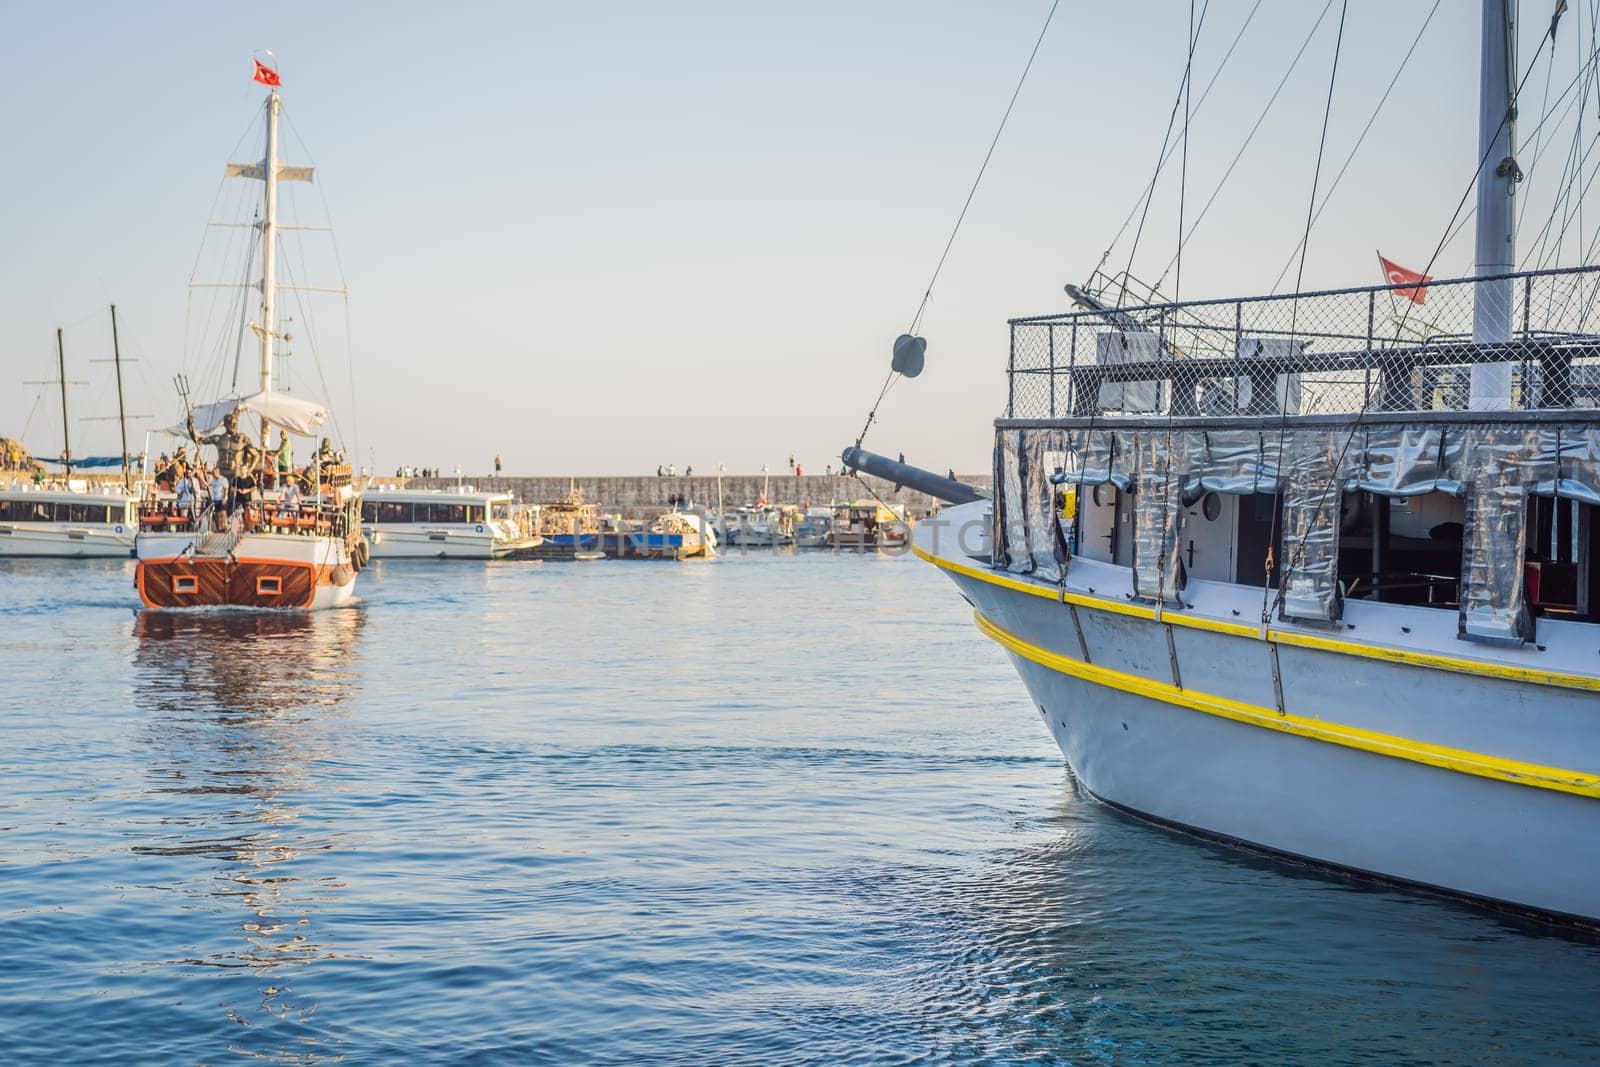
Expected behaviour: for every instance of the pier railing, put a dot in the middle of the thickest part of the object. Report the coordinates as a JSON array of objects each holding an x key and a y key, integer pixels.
[{"x": 1386, "y": 348}]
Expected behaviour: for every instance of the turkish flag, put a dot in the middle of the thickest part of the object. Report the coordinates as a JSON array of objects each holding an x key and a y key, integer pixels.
[
  {"x": 265, "y": 74},
  {"x": 1416, "y": 285}
]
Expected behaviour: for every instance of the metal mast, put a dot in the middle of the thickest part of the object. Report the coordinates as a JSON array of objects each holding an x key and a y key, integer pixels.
[
  {"x": 61, "y": 375},
  {"x": 1497, "y": 183},
  {"x": 122, "y": 411},
  {"x": 269, "y": 249}
]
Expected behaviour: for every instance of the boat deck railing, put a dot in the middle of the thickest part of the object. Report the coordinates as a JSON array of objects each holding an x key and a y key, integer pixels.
[
  {"x": 1384, "y": 348},
  {"x": 309, "y": 519}
]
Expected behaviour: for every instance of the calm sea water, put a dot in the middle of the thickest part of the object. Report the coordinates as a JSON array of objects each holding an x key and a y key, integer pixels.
[{"x": 762, "y": 810}]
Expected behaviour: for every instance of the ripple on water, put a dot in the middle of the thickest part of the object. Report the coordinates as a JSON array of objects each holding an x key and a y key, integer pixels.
[{"x": 787, "y": 809}]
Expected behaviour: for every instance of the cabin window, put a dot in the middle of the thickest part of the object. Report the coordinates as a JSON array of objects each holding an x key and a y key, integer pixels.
[
  {"x": 369, "y": 511},
  {"x": 269, "y": 586},
  {"x": 12, "y": 510},
  {"x": 394, "y": 511},
  {"x": 474, "y": 513},
  {"x": 185, "y": 584},
  {"x": 1401, "y": 550},
  {"x": 41, "y": 513},
  {"x": 1560, "y": 576},
  {"x": 445, "y": 512}
]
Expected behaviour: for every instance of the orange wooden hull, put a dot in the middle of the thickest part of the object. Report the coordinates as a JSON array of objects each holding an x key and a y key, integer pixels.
[{"x": 182, "y": 582}]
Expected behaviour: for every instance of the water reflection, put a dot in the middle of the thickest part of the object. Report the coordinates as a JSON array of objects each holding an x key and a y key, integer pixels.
[{"x": 241, "y": 710}]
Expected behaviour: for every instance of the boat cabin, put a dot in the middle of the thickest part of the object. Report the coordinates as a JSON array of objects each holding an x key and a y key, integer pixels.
[{"x": 1321, "y": 448}]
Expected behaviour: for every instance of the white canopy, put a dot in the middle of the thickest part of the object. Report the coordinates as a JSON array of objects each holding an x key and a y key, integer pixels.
[{"x": 299, "y": 417}]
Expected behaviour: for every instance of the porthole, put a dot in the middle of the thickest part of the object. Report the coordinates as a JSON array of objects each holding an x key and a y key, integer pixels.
[
  {"x": 269, "y": 586},
  {"x": 1100, "y": 500},
  {"x": 185, "y": 583},
  {"x": 1211, "y": 507}
]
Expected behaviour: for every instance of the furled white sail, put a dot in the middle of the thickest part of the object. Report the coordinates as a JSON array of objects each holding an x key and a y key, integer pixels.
[{"x": 299, "y": 417}]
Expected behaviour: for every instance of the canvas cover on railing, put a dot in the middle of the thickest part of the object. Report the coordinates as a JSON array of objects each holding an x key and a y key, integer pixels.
[{"x": 1493, "y": 465}]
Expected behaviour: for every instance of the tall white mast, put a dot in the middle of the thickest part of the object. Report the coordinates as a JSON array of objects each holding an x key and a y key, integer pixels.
[
  {"x": 269, "y": 246},
  {"x": 1497, "y": 178},
  {"x": 269, "y": 172}
]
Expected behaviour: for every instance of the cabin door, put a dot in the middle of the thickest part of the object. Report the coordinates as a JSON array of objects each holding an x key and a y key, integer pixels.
[
  {"x": 1207, "y": 542},
  {"x": 1098, "y": 513}
]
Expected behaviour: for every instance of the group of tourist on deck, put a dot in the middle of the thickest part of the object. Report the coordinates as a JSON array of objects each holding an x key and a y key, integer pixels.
[{"x": 237, "y": 484}]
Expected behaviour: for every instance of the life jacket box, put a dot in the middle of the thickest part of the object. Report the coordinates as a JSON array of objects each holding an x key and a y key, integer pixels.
[
  {"x": 1121, "y": 347},
  {"x": 1263, "y": 393}
]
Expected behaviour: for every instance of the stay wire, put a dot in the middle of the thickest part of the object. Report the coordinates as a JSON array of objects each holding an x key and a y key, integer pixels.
[
  {"x": 927, "y": 291},
  {"x": 1254, "y": 129},
  {"x": 1366, "y": 402},
  {"x": 1177, "y": 285},
  {"x": 1161, "y": 157},
  {"x": 1294, "y": 307},
  {"x": 1166, "y": 151},
  {"x": 1337, "y": 178}
]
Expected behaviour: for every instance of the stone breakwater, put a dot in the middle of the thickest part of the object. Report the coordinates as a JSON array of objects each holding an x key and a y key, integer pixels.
[{"x": 646, "y": 491}]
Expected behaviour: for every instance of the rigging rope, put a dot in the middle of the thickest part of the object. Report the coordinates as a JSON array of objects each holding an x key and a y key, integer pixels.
[
  {"x": 927, "y": 292},
  {"x": 1337, "y": 178},
  {"x": 1294, "y": 308},
  {"x": 1356, "y": 425},
  {"x": 1167, "y": 152},
  {"x": 1273, "y": 99},
  {"x": 1161, "y": 156}
]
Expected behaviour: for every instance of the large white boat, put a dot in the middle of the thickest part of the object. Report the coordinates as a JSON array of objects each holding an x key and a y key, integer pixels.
[
  {"x": 265, "y": 551},
  {"x": 68, "y": 524},
  {"x": 460, "y": 523},
  {"x": 1319, "y": 573}
]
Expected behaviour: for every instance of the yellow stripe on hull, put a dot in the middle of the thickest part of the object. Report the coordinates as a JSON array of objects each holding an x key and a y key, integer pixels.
[
  {"x": 1451, "y": 759},
  {"x": 1481, "y": 668}
]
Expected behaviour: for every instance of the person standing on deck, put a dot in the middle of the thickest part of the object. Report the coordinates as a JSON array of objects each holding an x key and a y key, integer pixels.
[
  {"x": 285, "y": 457},
  {"x": 497, "y": 464},
  {"x": 185, "y": 491},
  {"x": 219, "y": 500}
]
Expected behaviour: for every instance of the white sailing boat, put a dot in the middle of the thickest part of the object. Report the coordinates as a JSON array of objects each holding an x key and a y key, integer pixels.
[
  {"x": 1277, "y": 574},
  {"x": 268, "y": 550}
]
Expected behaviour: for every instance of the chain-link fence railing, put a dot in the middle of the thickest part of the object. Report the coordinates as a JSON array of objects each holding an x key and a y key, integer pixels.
[{"x": 1518, "y": 341}]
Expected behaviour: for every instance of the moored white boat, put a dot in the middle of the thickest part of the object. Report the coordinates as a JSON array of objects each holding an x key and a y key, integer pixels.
[
  {"x": 446, "y": 524},
  {"x": 67, "y": 524}
]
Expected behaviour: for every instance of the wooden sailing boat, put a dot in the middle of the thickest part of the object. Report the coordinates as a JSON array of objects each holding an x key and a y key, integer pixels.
[{"x": 266, "y": 548}]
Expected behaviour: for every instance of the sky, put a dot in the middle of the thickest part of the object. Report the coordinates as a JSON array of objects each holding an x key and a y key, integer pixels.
[{"x": 596, "y": 238}]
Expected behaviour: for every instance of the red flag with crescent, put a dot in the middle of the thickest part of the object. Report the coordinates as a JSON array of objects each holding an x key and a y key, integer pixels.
[
  {"x": 1414, "y": 286},
  {"x": 265, "y": 74}
]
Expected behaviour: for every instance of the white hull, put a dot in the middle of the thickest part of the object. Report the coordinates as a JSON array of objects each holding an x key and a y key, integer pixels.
[
  {"x": 400, "y": 543},
  {"x": 67, "y": 540},
  {"x": 1461, "y": 768}
]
